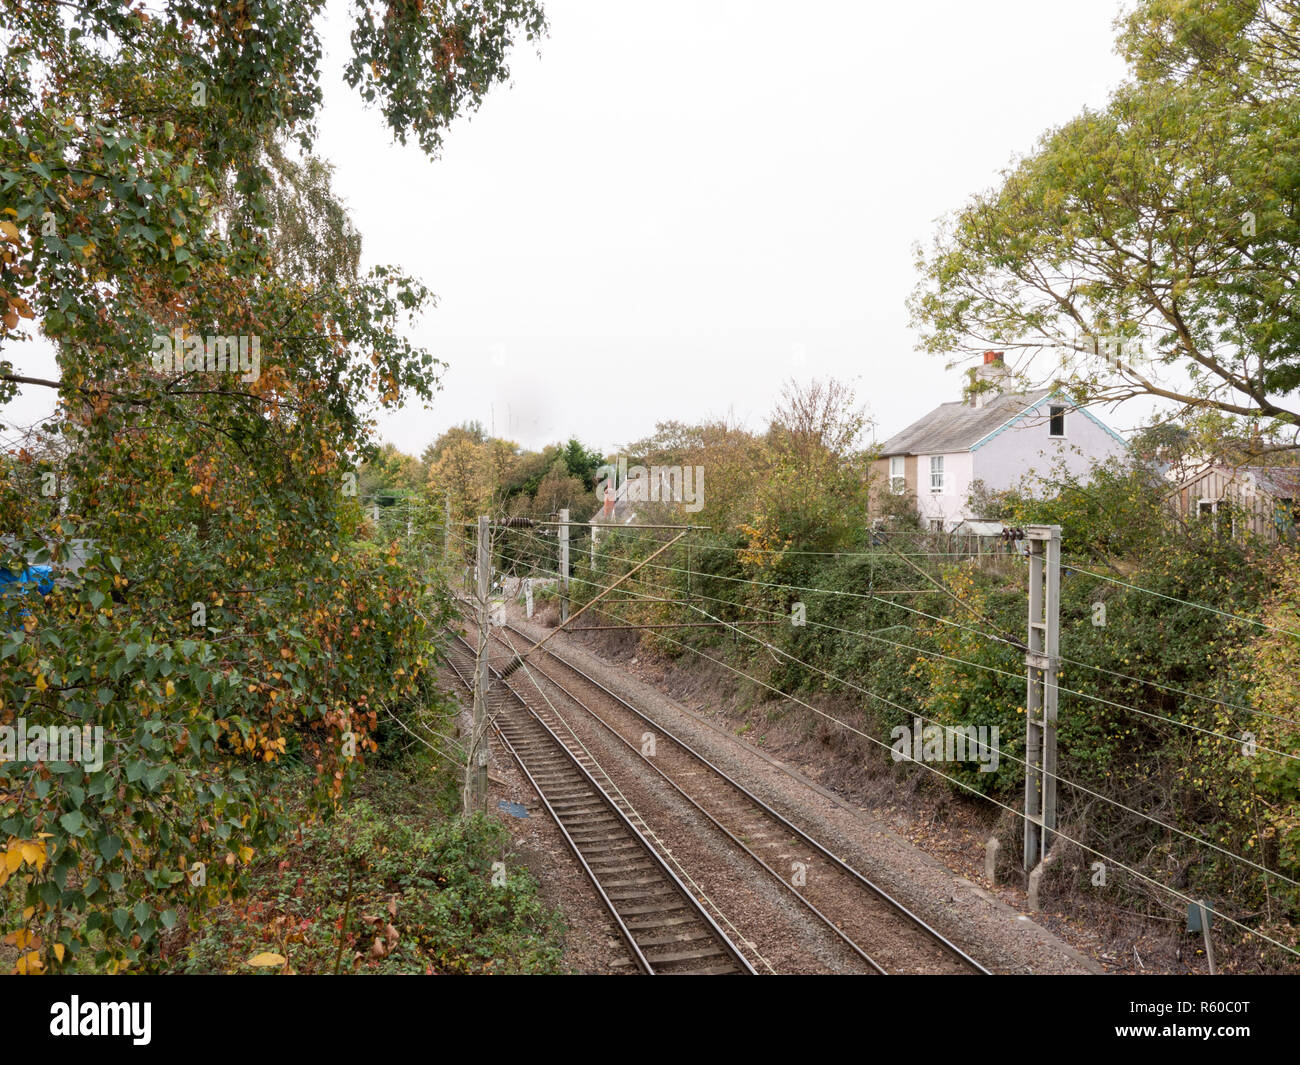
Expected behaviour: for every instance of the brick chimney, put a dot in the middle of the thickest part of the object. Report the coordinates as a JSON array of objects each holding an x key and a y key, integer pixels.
[{"x": 992, "y": 370}]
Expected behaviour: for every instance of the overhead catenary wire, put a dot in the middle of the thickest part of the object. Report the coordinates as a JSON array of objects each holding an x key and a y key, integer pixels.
[
  {"x": 1187, "y": 602},
  {"x": 916, "y": 714},
  {"x": 921, "y": 717},
  {"x": 1018, "y": 645},
  {"x": 1007, "y": 673},
  {"x": 832, "y": 676},
  {"x": 1155, "y": 883}
]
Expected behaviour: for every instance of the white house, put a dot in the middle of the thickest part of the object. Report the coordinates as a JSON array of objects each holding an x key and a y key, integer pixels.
[{"x": 994, "y": 437}]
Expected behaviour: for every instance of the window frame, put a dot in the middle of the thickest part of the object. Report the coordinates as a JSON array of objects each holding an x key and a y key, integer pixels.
[
  {"x": 897, "y": 481},
  {"x": 937, "y": 489},
  {"x": 1056, "y": 417}
]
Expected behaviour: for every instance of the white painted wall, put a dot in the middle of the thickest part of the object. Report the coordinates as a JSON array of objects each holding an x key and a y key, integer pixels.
[
  {"x": 1027, "y": 448},
  {"x": 950, "y": 504}
]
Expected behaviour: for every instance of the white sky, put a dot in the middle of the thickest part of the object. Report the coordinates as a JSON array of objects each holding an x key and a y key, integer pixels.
[{"x": 680, "y": 205}]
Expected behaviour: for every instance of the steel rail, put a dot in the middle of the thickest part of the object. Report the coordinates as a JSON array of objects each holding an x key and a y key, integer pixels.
[
  {"x": 807, "y": 903},
  {"x": 644, "y": 963},
  {"x": 837, "y": 861}
]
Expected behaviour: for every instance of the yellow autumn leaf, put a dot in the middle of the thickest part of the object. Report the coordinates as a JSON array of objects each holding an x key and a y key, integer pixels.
[
  {"x": 29, "y": 964},
  {"x": 41, "y": 685},
  {"x": 34, "y": 854},
  {"x": 59, "y": 950},
  {"x": 13, "y": 857},
  {"x": 10, "y": 231},
  {"x": 266, "y": 959},
  {"x": 170, "y": 689}
]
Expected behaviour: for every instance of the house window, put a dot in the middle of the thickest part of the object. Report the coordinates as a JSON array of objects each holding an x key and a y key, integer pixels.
[
  {"x": 897, "y": 480},
  {"x": 1056, "y": 426},
  {"x": 936, "y": 473},
  {"x": 1215, "y": 510},
  {"x": 936, "y": 525}
]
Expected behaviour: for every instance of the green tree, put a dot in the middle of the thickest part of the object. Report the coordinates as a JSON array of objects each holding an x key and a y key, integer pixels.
[
  {"x": 815, "y": 491},
  {"x": 215, "y": 616},
  {"x": 581, "y": 462},
  {"x": 1271, "y": 663},
  {"x": 390, "y": 473},
  {"x": 1168, "y": 218}
]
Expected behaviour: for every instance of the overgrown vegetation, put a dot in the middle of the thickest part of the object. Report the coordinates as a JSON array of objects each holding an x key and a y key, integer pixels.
[
  {"x": 222, "y": 611},
  {"x": 1177, "y": 729},
  {"x": 1165, "y": 220},
  {"x": 393, "y": 883},
  {"x": 480, "y": 474}
]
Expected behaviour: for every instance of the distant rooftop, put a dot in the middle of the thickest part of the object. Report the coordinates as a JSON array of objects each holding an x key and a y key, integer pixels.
[
  {"x": 1276, "y": 480},
  {"x": 956, "y": 426}
]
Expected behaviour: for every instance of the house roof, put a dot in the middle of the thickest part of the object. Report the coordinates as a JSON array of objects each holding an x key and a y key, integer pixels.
[
  {"x": 958, "y": 426},
  {"x": 975, "y": 527},
  {"x": 1277, "y": 481},
  {"x": 616, "y": 509}
]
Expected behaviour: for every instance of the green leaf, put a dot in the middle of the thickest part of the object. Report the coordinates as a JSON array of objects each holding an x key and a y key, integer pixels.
[{"x": 109, "y": 847}]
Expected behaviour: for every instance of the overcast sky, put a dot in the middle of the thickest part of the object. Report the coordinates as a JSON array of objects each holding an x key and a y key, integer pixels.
[{"x": 677, "y": 206}]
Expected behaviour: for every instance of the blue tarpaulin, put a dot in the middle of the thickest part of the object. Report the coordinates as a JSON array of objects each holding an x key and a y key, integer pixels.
[
  {"x": 41, "y": 576},
  {"x": 514, "y": 809}
]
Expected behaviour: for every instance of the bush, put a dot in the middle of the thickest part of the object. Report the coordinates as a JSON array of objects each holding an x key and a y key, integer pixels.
[{"x": 391, "y": 869}]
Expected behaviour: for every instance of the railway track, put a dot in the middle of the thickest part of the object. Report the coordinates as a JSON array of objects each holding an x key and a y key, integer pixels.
[
  {"x": 666, "y": 929},
  {"x": 879, "y": 929}
]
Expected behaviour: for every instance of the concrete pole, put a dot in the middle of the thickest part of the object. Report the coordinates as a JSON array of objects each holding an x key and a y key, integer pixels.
[
  {"x": 564, "y": 565},
  {"x": 476, "y": 770},
  {"x": 1205, "y": 930},
  {"x": 446, "y": 525},
  {"x": 1041, "y": 661}
]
